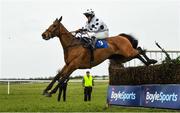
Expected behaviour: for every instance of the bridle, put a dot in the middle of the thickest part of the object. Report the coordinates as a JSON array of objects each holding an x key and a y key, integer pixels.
[{"x": 60, "y": 34}]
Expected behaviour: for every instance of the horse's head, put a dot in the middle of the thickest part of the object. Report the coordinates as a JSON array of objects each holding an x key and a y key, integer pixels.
[{"x": 53, "y": 30}]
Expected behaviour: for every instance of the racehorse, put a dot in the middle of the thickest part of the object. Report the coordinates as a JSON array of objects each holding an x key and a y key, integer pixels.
[{"x": 121, "y": 47}]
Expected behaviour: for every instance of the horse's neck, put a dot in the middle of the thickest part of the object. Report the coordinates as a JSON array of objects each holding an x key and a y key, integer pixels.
[{"x": 66, "y": 37}]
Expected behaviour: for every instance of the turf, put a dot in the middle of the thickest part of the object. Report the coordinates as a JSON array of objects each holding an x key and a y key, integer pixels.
[{"x": 27, "y": 98}]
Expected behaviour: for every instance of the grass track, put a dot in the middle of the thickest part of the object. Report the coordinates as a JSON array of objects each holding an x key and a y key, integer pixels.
[{"x": 28, "y": 98}]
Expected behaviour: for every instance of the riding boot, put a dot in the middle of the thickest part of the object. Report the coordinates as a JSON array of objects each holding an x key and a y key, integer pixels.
[
  {"x": 91, "y": 45},
  {"x": 93, "y": 41},
  {"x": 86, "y": 42}
]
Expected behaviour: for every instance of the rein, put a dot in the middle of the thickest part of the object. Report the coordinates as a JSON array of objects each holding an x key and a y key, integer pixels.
[{"x": 70, "y": 43}]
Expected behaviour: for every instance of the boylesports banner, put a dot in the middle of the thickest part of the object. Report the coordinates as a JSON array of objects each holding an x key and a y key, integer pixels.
[
  {"x": 124, "y": 95},
  {"x": 163, "y": 96},
  {"x": 160, "y": 96}
]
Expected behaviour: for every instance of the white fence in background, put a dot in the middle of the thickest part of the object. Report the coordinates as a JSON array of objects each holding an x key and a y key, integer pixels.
[
  {"x": 21, "y": 81},
  {"x": 153, "y": 54},
  {"x": 9, "y": 82}
]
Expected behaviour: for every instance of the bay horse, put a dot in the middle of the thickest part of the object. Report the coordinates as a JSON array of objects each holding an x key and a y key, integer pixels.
[{"x": 122, "y": 47}]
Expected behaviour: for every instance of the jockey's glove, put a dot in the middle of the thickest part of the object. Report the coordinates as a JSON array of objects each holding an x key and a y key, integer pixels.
[{"x": 81, "y": 30}]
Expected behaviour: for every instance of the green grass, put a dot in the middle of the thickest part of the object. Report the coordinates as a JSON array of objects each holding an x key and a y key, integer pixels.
[{"x": 28, "y": 98}]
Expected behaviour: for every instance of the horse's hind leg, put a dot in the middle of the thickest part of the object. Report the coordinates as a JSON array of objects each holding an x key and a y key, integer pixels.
[
  {"x": 142, "y": 59},
  {"x": 143, "y": 52}
]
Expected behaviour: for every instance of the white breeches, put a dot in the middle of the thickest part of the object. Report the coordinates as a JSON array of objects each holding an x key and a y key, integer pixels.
[{"x": 100, "y": 35}]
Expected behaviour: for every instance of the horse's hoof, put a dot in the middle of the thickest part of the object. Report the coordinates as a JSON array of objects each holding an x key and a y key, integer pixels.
[
  {"x": 152, "y": 61},
  {"x": 48, "y": 95},
  {"x": 44, "y": 92}
]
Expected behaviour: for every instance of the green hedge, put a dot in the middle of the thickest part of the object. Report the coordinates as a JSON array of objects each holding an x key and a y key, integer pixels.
[{"x": 166, "y": 73}]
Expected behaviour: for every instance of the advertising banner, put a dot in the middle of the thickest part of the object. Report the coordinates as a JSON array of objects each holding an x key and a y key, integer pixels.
[
  {"x": 163, "y": 96},
  {"x": 124, "y": 95},
  {"x": 155, "y": 95}
]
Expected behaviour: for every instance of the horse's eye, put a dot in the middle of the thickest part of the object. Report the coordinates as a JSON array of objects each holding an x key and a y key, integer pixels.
[{"x": 54, "y": 25}]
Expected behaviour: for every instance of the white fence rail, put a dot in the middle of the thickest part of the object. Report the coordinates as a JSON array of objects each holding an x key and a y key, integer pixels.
[
  {"x": 21, "y": 81},
  {"x": 154, "y": 54},
  {"x": 9, "y": 82}
]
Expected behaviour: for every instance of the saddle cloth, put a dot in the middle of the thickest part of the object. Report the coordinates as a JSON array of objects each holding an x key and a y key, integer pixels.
[{"x": 101, "y": 43}]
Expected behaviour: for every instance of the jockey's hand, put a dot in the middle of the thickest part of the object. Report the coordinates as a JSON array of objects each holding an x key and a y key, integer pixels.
[
  {"x": 93, "y": 37},
  {"x": 80, "y": 30},
  {"x": 84, "y": 30},
  {"x": 77, "y": 31}
]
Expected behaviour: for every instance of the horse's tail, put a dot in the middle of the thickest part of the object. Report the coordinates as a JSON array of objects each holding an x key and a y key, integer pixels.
[{"x": 133, "y": 40}]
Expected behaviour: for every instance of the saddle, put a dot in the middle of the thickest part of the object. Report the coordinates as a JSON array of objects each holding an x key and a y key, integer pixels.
[
  {"x": 91, "y": 45},
  {"x": 87, "y": 42}
]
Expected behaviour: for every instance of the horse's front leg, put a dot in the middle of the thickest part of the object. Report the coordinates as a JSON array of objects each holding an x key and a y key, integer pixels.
[
  {"x": 65, "y": 75},
  {"x": 45, "y": 92}
]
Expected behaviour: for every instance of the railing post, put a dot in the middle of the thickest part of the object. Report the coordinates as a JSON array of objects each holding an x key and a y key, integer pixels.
[{"x": 8, "y": 87}]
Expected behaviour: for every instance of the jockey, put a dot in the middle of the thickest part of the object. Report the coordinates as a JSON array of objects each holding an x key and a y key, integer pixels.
[{"x": 95, "y": 27}]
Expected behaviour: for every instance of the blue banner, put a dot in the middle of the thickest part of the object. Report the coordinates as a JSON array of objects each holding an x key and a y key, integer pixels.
[
  {"x": 124, "y": 95},
  {"x": 163, "y": 96},
  {"x": 159, "y": 96}
]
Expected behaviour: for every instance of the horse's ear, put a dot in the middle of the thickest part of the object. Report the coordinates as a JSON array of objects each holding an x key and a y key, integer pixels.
[{"x": 60, "y": 19}]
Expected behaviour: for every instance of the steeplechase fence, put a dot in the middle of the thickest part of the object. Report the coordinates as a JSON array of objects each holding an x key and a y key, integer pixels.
[{"x": 146, "y": 86}]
